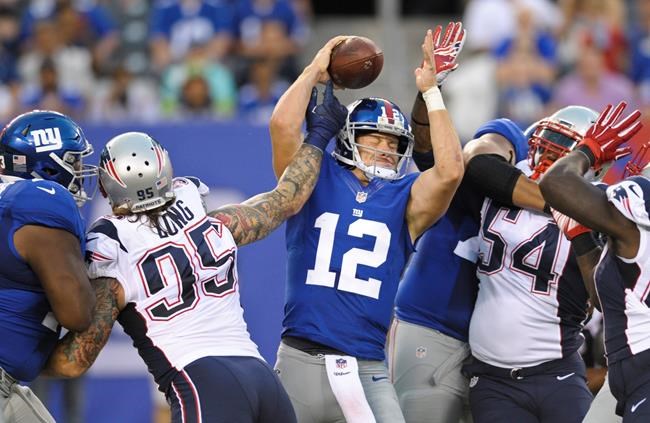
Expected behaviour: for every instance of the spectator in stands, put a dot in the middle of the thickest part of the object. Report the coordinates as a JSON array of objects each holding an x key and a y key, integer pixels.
[
  {"x": 640, "y": 54},
  {"x": 177, "y": 24},
  {"x": 72, "y": 63},
  {"x": 525, "y": 70},
  {"x": 195, "y": 100},
  {"x": 601, "y": 21},
  {"x": 9, "y": 81},
  {"x": 220, "y": 83},
  {"x": 591, "y": 84},
  {"x": 49, "y": 95},
  {"x": 257, "y": 99},
  {"x": 270, "y": 29},
  {"x": 82, "y": 23},
  {"x": 124, "y": 98}
]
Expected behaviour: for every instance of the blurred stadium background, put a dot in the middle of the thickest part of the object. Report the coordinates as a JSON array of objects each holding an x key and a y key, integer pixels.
[{"x": 202, "y": 76}]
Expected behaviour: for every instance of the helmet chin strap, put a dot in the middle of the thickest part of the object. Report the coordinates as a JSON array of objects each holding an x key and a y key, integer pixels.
[{"x": 374, "y": 171}]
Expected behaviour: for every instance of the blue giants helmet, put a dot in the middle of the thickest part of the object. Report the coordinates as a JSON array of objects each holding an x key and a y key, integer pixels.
[
  {"x": 48, "y": 145},
  {"x": 375, "y": 115}
]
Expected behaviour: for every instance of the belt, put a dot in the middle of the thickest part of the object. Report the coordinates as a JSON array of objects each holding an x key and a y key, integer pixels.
[
  {"x": 6, "y": 382},
  {"x": 478, "y": 367},
  {"x": 310, "y": 347}
]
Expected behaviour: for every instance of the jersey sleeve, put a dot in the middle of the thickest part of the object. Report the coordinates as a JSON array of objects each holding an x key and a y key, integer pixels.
[
  {"x": 200, "y": 186},
  {"x": 46, "y": 203},
  {"x": 509, "y": 130},
  {"x": 103, "y": 248},
  {"x": 631, "y": 197}
]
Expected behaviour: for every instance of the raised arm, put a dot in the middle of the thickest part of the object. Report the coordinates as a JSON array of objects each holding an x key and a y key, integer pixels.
[
  {"x": 445, "y": 57},
  {"x": 257, "y": 217},
  {"x": 433, "y": 190},
  {"x": 286, "y": 122},
  {"x": 55, "y": 257},
  {"x": 565, "y": 189},
  {"x": 76, "y": 352}
]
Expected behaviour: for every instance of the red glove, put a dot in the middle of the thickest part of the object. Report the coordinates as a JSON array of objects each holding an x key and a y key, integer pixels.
[
  {"x": 447, "y": 49},
  {"x": 569, "y": 227},
  {"x": 602, "y": 139}
]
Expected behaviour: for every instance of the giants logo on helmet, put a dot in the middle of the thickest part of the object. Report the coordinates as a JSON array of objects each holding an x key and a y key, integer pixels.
[
  {"x": 48, "y": 139},
  {"x": 390, "y": 116}
]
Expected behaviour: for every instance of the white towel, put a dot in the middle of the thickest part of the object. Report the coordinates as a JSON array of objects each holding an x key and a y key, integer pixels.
[{"x": 343, "y": 375}]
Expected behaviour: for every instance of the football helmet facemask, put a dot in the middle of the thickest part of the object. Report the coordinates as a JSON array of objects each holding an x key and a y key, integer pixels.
[
  {"x": 135, "y": 173},
  {"x": 557, "y": 135},
  {"x": 48, "y": 145},
  {"x": 370, "y": 115}
]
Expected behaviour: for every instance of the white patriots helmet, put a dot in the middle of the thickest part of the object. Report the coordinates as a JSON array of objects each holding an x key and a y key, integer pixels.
[
  {"x": 135, "y": 173},
  {"x": 375, "y": 115},
  {"x": 557, "y": 135}
]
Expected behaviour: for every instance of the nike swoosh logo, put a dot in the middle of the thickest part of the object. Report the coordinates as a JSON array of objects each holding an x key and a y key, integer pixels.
[
  {"x": 377, "y": 379},
  {"x": 565, "y": 376},
  {"x": 635, "y": 406},
  {"x": 49, "y": 190}
]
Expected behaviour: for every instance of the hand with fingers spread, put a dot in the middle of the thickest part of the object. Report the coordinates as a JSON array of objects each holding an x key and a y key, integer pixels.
[
  {"x": 602, "y": 140},
  {"x": 425, "y": 75},
  {"x": 447, "y": 48},
  {"x": 324, "y": 120}
]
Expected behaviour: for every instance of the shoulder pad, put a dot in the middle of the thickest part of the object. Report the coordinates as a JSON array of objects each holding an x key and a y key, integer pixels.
[
  {"x": 47, "y": 203},
  {"x": 510, "y": 131},
  {"x": 193, "y": 180},
  {"x": 631, "y": 197}
]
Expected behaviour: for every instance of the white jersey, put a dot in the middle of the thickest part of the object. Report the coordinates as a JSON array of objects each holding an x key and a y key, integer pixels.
[
  {"x": 179, "y": 280},
  {"x": 531, "y": 301},
  {"x": 623, "y": 285}
]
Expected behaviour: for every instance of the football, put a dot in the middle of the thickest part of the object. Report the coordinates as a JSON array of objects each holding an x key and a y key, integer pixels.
[{"x": 355, "y": 62}]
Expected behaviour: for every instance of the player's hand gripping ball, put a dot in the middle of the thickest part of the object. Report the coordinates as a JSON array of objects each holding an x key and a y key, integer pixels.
[{"x": 355, "y": 62}]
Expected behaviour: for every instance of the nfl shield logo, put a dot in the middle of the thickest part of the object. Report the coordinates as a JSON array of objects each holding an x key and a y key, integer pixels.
[
  {"x": 341, "y": 363},
  {"x": 420, "y": 352},
  {"x": 362, "y": 196},
  {"x": 473, "y": 381}
]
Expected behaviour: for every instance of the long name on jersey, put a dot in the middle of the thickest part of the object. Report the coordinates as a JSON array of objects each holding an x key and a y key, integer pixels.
[{"x": 180, "y": 283}]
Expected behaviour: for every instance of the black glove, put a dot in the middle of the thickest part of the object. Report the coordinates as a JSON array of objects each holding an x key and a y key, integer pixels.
[{"x": 324, "y": 120}]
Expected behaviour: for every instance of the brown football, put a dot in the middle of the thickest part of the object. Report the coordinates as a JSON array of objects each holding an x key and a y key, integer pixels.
[{"x": 355, "y": 62}]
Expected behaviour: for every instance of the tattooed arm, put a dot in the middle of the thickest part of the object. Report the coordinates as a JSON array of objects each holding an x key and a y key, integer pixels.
[
  {"x": 77, "y": 351},
  {"x": 258, "y": 216}
]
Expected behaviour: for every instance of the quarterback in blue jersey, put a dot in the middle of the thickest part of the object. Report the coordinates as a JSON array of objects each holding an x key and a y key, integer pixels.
[
  {"x": 43, "y": 282},
  {"x": 622, "y": 274},
  {"x": 348, "y": 245}
]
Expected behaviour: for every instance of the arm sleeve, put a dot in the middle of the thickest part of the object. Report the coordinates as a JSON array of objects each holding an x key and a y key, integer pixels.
[
  {"x": 493, "y": 176},
  {"x": 424, "y": 160},
  {"x": 103, "y": 248}
]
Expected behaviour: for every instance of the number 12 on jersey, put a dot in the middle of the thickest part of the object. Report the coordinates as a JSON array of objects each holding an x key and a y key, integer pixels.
[{"x": 348, "y": 281}]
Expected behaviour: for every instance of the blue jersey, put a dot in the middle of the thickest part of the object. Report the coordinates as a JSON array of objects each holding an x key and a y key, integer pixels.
[
  {"x": 440, "y": 284},
  {"x": 347, "y": 249},
  {"x": 28, "y": 328},
  {"x": 439, "y": 287}
]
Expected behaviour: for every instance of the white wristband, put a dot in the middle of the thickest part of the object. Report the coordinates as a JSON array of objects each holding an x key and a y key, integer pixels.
[{"x": 433, "y": 99}]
